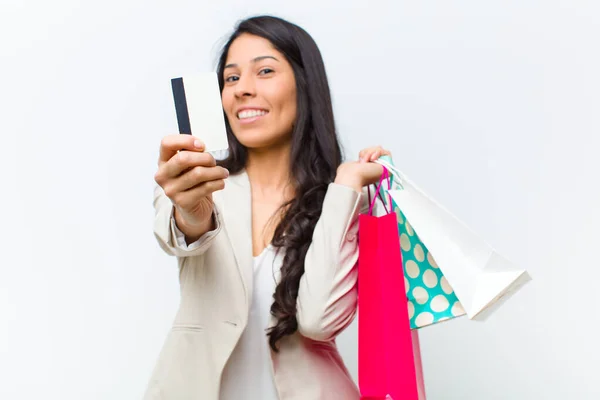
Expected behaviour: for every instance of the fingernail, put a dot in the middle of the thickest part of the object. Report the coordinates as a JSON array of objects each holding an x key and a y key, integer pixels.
[
  {"x": 198, "y": 144},
  {"x": 226, "y": 173}
]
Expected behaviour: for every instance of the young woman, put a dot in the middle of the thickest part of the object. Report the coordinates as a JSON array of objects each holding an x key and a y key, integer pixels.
[{"x": 266, "y": 239}]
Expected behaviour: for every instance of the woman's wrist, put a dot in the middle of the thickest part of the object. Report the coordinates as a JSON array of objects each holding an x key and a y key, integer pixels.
[
  {"x": 192, "y": 232},
  {"x": 346, "y": 177}
]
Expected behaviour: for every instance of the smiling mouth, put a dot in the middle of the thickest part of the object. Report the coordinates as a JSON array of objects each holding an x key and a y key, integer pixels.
[{"x": 250, "y": 114}]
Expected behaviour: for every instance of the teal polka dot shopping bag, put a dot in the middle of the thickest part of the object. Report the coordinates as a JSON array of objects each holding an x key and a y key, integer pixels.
[{"x": 431, "y": 299}]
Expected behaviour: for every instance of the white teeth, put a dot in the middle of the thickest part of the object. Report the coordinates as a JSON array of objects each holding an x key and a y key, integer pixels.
[{"x": 250, "y": 113}]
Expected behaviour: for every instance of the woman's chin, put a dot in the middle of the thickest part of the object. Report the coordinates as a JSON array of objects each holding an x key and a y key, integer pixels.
[{"x": 260, "y": 142}]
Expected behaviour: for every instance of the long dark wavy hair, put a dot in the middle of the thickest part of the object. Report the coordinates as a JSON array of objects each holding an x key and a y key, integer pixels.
[{"x": 315, "y": 157}]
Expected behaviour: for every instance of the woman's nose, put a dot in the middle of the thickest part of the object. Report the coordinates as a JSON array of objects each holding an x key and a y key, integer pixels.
[{"x": 245, "y": 87}]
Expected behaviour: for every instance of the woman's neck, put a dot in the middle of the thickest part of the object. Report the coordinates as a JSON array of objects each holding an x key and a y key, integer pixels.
[{"x": 269, "y": 173}]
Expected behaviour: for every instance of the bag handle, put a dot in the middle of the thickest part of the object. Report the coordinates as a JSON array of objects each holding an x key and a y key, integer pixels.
[
  {"x": 378, "y": 195},
  {"x": 384, "y": 176},
  {"x": 394, "y": 171}
]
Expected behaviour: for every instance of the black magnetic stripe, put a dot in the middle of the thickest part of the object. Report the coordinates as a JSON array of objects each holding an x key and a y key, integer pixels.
[{"x": 183, "y": 118}]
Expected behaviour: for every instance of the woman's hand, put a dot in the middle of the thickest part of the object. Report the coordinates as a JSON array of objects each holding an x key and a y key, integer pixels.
[
  {"x": 358, "y": 174},
  {"x": 189, "y": 179},
  {"x": 373, "y": 153}
]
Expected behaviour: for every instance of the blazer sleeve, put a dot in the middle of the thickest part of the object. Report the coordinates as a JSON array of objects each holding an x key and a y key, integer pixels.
[
  {"x": 166, "y": 232},
  {"x": 328, "y": 292}
]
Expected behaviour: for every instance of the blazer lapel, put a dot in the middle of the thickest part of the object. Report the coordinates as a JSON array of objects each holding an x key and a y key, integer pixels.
[{"x": 237, "y": 215}]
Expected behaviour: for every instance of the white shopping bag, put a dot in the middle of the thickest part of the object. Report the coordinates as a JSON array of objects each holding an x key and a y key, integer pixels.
[{"x": 481, "y": 278}]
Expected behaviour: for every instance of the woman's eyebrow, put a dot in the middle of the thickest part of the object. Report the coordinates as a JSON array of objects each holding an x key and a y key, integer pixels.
[{"x": 255, "y": 60}]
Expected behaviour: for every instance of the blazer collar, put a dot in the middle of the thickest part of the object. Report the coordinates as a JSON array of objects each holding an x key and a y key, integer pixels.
[{"x": 237, "y": 215}]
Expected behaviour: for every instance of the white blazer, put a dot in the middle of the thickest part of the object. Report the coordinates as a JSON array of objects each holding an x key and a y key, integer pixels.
[{"x": 216, "y": 288}]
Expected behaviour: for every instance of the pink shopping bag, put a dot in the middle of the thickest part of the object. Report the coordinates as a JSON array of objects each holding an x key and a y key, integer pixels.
[{"x": 386, "y": 357}]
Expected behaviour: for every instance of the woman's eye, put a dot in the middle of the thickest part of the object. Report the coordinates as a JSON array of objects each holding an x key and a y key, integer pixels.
[
  {"x": 265, "y": 71},
  {"x": 232, "y": 78}
]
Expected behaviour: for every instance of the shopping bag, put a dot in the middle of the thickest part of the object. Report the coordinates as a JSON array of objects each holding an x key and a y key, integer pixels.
[
  {"x": 481, "y": 278},
  {"x": 386, "y": 364},
  {"x": 431, "y": 299}
]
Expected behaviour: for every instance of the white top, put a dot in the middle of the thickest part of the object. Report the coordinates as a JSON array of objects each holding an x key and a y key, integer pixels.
[{"x": 248, "y": 374}]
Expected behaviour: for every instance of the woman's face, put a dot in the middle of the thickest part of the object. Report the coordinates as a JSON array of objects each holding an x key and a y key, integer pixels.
[{"x": 259, "y": 93}]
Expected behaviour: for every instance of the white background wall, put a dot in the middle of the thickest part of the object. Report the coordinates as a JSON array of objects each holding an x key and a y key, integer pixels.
[{"x": 492, "y": 107}]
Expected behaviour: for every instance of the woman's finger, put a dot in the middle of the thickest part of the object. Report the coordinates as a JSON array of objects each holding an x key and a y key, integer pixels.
[
  {"x": 379, "y": 153},
  {"x": 195, "y": 176},
  {"x": 365, "y": 154},
  {"x": 183, "y": 162},
  {"x": 171, "y": 144},
  {"x": 188, "y": 199},
  {"x": 372, "y": 153}
]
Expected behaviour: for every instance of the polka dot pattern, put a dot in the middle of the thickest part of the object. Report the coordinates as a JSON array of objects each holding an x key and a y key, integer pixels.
[
  {"x": 420, "y": 295},
  {"x": 431, "y": 261},
  {"x": 446, "y": 286},
  {"x": 424, "y": 319},
  {"x": 430, "y": 296},
  {"x": 419, "y": 254},
  {"x": 439, "y": 303},
  {"x": 409, "y": 229},
  {"x": 411, "y": 269},
  {"x": 405, "y": 242},
  {"x": 430, "y": 279},
  {"x": 399, "y": 216},
  {"x": 458, "y": 310}
]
